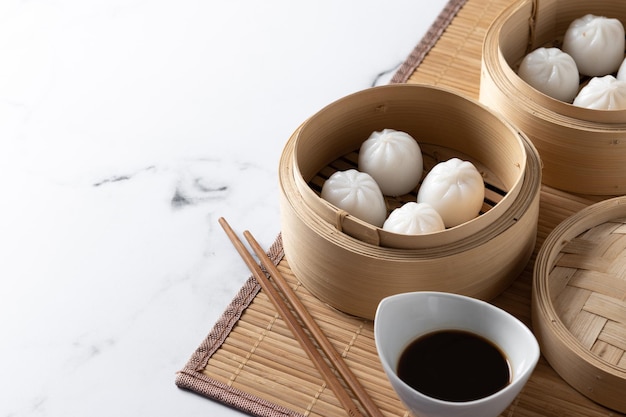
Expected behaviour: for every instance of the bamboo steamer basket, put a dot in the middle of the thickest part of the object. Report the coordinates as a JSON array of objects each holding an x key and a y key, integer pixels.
[
  {"x": 583, "y": 150},
  {"x": 579, "y": 301},
  {"x": 351, "y": 265}
]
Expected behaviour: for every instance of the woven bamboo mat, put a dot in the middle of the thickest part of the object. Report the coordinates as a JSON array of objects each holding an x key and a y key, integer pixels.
[{"x": 250, "y": 360}]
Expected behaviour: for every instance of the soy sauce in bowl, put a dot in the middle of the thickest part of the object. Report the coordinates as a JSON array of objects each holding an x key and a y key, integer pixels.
[{"x": 454, "y": 365}]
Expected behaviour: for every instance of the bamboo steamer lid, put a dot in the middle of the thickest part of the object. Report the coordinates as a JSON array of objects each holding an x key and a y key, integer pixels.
[
  {"x": 352, "y": 266},
  {"x": 583, "y": 150},
  {"x": 579, "y": 301}
]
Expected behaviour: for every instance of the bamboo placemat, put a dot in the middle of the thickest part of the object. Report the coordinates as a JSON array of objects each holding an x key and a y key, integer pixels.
[{"x": 250, "y": 360}]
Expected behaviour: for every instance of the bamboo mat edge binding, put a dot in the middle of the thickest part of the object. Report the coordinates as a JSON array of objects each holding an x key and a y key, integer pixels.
[{"x": 191, "y": 377}]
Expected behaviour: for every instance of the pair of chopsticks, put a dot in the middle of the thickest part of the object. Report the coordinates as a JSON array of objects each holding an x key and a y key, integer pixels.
[{"x": 292, "y": 322}]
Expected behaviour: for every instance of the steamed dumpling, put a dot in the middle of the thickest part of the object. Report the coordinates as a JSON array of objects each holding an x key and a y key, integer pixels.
[
  {"x": 358, "y": 194},
  {"x": 552, "y": 72},
  {"x": 596, "y": 43},
  {"x": 414, "y": 219},
  {"x": 394, "y": 159},
  {"x": 455, "y": 189},
  {"x": 603, "y": 93}
]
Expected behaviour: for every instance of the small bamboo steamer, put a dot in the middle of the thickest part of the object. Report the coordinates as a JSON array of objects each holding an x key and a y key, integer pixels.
[
  {"x": 579, "y": 301},
  {"x": 352, "y": 265},
  {"x": 583, "y": 150}
]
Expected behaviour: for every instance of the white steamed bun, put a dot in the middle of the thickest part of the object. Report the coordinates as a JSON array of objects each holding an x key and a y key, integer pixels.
[
  {"x": 455, "y": 189},
  {"x": 603, "y": 93},
  {"x": 394, "y": 159},
  {"x": 552, "y": 72},
  {"x": 358, "y": 194},
  {"x": 596, "y": 43},
  {"x": 414, "y": 219}
]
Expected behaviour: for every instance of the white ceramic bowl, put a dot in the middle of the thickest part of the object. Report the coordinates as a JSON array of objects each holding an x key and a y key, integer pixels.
[{"x": 402, "y": 318}]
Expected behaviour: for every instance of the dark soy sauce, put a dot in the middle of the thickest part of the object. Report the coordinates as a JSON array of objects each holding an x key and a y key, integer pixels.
[{"x": 454, "y": 365}]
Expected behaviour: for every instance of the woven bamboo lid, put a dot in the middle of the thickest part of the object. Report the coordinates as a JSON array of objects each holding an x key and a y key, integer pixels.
[{"x": 579, "y": 301}]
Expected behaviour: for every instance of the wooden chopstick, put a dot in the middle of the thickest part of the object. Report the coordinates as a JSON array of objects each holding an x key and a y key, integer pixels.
[
  {"x": 327, "y": 373},
  {"x": 331, "y": 353}
]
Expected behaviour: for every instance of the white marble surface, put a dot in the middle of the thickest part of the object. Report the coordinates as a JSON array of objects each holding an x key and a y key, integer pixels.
[{"x": 126, "y": 129}]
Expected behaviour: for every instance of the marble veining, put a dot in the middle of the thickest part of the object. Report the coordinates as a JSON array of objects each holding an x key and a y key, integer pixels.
[{"x": 127, "y": 128}]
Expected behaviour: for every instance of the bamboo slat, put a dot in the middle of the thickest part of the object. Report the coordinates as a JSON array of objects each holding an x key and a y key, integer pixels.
[{"x": 249, "y": 359}]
